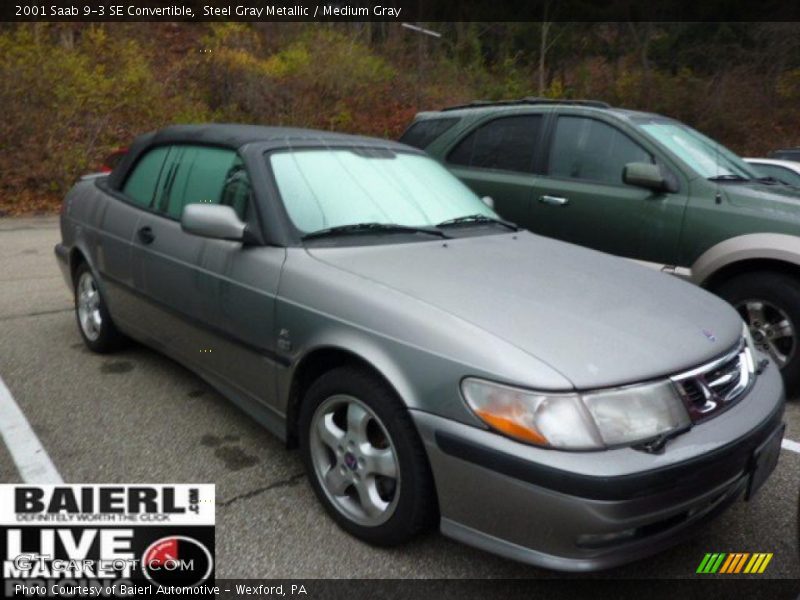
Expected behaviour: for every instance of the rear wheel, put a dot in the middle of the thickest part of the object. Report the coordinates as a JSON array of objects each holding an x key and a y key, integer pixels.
[
  {"x": 97, "y": 330},
  {"x": 770, "y": 305},
  {"x": 364, "y": 458}
]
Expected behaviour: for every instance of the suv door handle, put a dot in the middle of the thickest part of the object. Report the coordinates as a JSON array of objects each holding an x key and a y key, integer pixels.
[
  {"x": 553, "y": 200},
  {"x": 146, "y": 235}
]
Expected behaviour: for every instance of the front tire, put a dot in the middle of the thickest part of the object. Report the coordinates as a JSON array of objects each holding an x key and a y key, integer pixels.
[
  {"x": 770, "y": 304},
  {"x": 364, "y": 458},
  {"x": 94, "y": 322}
]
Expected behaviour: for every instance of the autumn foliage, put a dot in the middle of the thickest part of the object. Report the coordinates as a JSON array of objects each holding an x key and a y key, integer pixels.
[{"x": 70, "y": 93}]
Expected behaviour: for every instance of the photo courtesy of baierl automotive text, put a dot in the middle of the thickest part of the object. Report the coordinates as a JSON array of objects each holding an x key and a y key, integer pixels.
[{"x": 406, "y": 299}]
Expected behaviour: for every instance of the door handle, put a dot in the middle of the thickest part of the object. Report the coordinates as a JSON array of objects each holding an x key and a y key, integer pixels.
[
  {"x": 553, "y": 200},
  {"x": 146, "y": 235}
]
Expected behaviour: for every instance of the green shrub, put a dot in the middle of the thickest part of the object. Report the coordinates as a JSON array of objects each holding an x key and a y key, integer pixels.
[{"x": 67, "y": 104}]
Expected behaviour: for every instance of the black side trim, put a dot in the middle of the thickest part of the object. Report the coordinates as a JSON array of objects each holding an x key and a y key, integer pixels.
[
  {"x": 266, "y": 352},
  {"x": 702, "y": 472}
]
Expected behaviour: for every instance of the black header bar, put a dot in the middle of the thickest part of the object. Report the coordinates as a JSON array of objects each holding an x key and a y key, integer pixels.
[{"x": 409, "y": 11}]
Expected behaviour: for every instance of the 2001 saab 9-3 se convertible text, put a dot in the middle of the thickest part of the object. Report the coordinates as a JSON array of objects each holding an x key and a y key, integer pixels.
[{"x": 435, "y": 364}]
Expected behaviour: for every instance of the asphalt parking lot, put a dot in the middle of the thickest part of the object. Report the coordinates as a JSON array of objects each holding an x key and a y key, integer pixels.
[{"x": 137, "y": 416}]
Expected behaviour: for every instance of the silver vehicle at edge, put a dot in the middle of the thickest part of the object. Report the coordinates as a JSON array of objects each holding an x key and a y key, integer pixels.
[{"x": 435, "y": 364}]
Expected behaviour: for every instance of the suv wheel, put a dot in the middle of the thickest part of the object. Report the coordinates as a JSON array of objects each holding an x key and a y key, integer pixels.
[
  {"x": 97, "y": 330},
  {"x": 364, "y": 458},
  {"x": 770, "y": 304}
]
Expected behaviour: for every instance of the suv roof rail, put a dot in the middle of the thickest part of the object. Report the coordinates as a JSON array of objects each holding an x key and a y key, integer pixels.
[{"x": 528, "y": 100}]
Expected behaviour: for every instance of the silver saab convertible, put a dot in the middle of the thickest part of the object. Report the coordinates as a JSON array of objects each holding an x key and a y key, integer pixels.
[{"x": 435, "y": 364}]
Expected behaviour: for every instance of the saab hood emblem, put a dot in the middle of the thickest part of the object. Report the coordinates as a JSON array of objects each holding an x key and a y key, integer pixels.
[{"x": 710, "y": 335}]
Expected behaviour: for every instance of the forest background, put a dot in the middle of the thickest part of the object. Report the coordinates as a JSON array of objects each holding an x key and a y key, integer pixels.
[{"x": 70, "y": 93}]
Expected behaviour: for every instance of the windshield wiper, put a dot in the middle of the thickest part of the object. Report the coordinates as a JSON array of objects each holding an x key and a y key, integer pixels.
[
  {"x": 728, "y": 177},
  {"x": 479, "y": 219},
  {"x": 769, "y": 180},
  {"x": 358, "y": 228}
]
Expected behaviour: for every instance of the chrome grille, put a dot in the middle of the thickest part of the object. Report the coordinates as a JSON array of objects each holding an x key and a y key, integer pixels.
[{"x": 713, "y": 387}]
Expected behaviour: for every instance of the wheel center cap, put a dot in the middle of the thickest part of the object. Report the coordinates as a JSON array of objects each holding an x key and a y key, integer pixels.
[{"x": 351, "y": 461}]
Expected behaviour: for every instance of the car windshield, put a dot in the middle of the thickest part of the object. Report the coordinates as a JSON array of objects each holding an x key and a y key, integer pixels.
[
  {"x": 336, "y": 187},
  {"x": 708, "y": 158}
]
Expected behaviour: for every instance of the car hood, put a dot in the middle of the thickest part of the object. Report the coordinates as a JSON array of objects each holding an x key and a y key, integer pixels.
[
  {"x": 783, "y": 199},
  {"x": 597, "y": 319}
]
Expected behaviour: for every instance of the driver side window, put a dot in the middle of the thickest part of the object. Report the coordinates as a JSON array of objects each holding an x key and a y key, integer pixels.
[
  {"x": 591, "y": 150},
  {"x": 237, "y": 189},
  {"x": 209, "y": 175}
]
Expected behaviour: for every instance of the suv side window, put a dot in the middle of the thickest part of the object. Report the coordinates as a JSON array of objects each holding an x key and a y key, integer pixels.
[
  {"x": 589, "y": 149},
  {"x": 140, "y": 186},
  {"x": 507, "y": 143},
  {"x": 422, "y": 133},
  {"x": 200, "y": 176}
]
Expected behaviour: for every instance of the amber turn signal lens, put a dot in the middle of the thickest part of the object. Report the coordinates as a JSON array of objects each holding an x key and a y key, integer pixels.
[{"x": 512, "y": 428}]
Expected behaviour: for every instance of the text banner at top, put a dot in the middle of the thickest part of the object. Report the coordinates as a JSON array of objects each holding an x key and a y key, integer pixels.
[{"x": 396, "y": 10}]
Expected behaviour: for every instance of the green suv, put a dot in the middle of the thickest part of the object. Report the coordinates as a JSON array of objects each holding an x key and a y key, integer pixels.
[{"x": 638, "y": 185}]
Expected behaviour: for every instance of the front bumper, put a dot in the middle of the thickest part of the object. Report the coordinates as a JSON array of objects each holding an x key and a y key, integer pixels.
[{"x": 583, "y": 511}]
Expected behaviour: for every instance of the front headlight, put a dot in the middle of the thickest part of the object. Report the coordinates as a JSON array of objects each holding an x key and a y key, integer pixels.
[
  {"x": 636, "y": 413},
  {"x": 578, "y": 421}
]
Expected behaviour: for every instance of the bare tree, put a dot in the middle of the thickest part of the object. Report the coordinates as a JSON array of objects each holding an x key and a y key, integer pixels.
[
  {"x": 546, "y": 42},
  {"x": 642, "y": 34}
]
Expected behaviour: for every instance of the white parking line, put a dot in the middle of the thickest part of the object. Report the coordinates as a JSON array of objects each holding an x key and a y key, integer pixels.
[
  {"x": 27, "y": 452},
  {"x": 790, "y": 445}
]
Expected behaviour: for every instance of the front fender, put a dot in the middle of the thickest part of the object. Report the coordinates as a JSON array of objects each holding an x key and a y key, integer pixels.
[{"x": 422, "y": 379}]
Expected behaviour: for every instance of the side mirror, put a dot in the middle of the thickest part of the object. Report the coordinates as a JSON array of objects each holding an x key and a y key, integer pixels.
[
  {"x": 488, "y": 201},
  {"x": 647, "y": 176},
  {"x": 213, "y": 221}
]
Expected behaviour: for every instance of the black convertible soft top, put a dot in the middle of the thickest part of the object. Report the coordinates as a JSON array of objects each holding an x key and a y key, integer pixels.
[{"x": 235, "y": 136}]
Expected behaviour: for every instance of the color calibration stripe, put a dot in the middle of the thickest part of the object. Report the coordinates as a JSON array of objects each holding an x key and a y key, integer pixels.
[
  {"x": 710, "y": 563},
  {"x": 735, "y": 562},
  {"x": 758, "y": 563}
]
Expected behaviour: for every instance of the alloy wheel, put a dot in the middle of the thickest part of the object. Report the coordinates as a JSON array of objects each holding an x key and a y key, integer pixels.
[
  {"x": 355, "y": 460},
  {"x": 772, "y": 330},
  {"x": 88, "y": 301}
]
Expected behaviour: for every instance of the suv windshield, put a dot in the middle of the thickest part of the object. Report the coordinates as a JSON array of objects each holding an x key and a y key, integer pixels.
[
  {"x": 708, "y": 158},
  {"x": 334, "y": 187}
]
